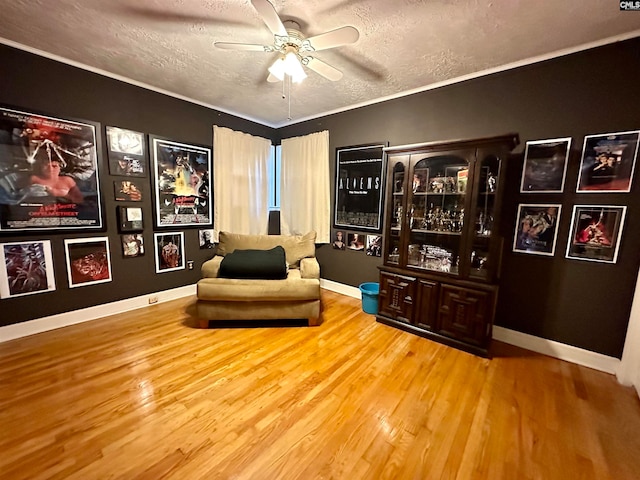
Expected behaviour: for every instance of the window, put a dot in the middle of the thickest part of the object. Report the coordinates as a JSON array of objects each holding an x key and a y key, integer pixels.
[{"x": 274, "y": 170}]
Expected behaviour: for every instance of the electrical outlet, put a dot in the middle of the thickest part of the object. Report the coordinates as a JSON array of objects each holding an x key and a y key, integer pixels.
[
  {"x": 190, "y": 264},
  {"x": 153, "y": 299}
]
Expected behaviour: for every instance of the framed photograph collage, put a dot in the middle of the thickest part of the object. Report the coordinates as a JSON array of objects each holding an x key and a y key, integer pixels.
[
  {"x": 127, "y": 158},
  {"x": 51, "y": 174},
  {"x": 607, "y": 165},
  {"x": 358, "y": 242}
]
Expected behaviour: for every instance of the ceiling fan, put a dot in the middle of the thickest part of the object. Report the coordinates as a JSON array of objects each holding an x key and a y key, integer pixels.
[{"x": 293, "y": 48}]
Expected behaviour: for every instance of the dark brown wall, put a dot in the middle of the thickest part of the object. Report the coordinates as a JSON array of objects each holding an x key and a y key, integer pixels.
[
  {"x": 575, "y": 302},
  {"x": 38, "y": 84},
  {"x": 578, "y": 303}
]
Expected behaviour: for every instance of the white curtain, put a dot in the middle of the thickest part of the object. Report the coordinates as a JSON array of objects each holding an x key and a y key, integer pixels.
[
  {"x": 629, "y": 371},
  {"x": 304, "y": 186},
  {"x": 240, "y": 182}
]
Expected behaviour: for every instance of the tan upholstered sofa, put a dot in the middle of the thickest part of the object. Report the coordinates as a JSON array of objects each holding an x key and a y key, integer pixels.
[{"x": 295, "y": 297}]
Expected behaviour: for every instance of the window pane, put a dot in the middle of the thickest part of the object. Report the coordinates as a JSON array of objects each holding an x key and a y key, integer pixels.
[{"x": 274, "y": 177}]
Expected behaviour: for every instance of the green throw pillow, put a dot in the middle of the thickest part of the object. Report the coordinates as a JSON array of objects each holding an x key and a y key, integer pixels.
[{"x": 255, "y": 264}]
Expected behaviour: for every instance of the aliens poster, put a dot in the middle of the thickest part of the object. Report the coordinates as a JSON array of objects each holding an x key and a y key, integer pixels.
[{"x": 359, "y": 187}]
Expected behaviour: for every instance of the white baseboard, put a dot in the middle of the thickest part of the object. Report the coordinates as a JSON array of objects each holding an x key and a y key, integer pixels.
[
  {"x": 341, "y": 288},
  {"x": 558, "y": 350},
  {"x": 60, "y": 320},
  {"x": 554, "y": 349}
]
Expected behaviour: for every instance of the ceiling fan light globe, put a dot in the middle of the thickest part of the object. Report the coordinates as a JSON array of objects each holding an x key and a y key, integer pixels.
[
  {"x": 293, "y": 67},
  {"x": 278, "y": 69},
  {"x": 298, "y": 77}
]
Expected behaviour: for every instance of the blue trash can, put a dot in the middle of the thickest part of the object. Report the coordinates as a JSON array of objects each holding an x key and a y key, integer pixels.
[{"x": 370, "y": 291}]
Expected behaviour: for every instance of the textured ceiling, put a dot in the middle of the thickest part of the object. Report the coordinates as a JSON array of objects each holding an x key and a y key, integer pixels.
[{"x": 404, "y": 45}]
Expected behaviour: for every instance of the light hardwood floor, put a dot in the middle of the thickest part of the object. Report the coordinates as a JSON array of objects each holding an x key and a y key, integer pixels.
[{"x": 147, "y": 395}]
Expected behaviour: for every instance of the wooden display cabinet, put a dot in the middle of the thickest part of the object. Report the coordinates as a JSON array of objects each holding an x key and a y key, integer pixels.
[{"x": 442, "y": 245}]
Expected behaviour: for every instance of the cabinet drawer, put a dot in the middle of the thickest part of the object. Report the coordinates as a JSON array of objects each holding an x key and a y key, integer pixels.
[{"x": 397, "y": 296}]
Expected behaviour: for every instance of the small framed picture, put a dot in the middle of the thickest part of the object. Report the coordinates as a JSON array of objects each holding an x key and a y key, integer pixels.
[
  {"x": 545, "y": 165},
  {"x": 88, "y": 261},
  {"x": 126, "y": 152},
  {"x": 608, "y": 162},
  {"x": 596, "y": 232},
  {"x": 128, "y": 191},
  {"x": 205, "y": 238},
  {"x": 27, "y": 268},
  {"x": 398, "y": 182},
  {"x": 130, "y": 219},
  {"x": 374, "y": 245},
  {"x": 339, "y": 241},
  {"x": 462, "y": 178},
  {"x": 420, "y": 180},
  {"x": 132, "y": 245},
  {"x": 355, "y": 241},
  {"x": 169, "y": 250},
  {"x": 536, "y": 229}
]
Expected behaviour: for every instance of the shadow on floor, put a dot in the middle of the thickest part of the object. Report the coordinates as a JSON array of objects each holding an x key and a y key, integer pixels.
[
  {"x": 504, "y": 350},
  {"x": 193, "y": 321},
  {"x": 284, "y": 323}
]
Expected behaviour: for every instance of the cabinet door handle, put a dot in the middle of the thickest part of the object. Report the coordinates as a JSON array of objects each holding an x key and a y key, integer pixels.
[{"x": 408, "y": 298}]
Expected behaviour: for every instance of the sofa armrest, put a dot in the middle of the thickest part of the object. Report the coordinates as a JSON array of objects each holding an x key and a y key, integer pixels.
[
  {"x": 210, "y": 268},
  {"x": 309, "y": 268}
]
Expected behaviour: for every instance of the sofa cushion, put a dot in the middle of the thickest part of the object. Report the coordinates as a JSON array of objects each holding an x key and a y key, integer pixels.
[
  {"x": 296, "y": 247},
  {"x": 255, "y": 264},
  {"x": 294, "y": 288}
]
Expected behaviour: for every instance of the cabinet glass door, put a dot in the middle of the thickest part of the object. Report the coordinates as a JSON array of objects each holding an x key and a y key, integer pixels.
[
  {"x": 481, "y": 262},
  {"x": 398, "y": 191},
  {"x": 436, "y": 212}
]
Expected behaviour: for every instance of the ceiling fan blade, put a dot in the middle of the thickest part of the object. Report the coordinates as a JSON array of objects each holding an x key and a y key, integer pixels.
[
  {"x": 324, "y": 69},
  {"x": 270, "y": 16},
  {"x": 242, "y": 46},
  {"x": 334, "y": 38},
  {"x": 167, "y": 16}
]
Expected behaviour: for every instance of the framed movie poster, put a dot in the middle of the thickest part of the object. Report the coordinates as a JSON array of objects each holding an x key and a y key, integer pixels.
[
  {"x": 608, "y": 162},
  {"x": 88, "y": 261},
  {"x": 128, "y": 190},
  {"x": 596, "y": 232},
  {"x": 48, "y": 172},
  {"x": 181, "y": 184},
  {"x": 125, "y": 149},
  {"x": 27, "y": 268},
  {"x": 132, "y": 245},
  {"x": 545, "y": 165},
  {"x": 536, "y": 229},
  {"x": 359, "y": 187},
  {"x": 169, "y": 249}
]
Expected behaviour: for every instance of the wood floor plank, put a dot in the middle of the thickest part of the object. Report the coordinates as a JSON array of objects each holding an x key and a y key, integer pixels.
[{"x": 147, "y": 395}]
